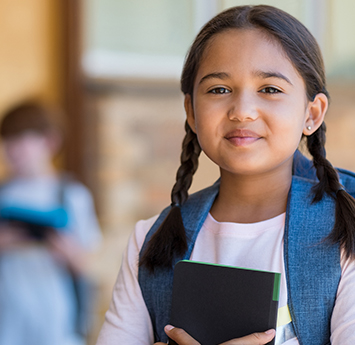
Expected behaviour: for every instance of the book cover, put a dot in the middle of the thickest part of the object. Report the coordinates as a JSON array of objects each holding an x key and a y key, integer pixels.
[{"x": 217, "y": 303}]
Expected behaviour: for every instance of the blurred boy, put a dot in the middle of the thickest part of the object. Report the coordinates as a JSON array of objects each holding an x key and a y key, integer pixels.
[{"x": 40, "y": 265}]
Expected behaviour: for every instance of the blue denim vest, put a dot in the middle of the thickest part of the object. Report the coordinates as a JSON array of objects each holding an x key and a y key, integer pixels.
[{"x": 312, "y": 266}]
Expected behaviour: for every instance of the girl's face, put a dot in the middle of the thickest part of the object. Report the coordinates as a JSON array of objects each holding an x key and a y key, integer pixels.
[{"x": 249, "y": 106}]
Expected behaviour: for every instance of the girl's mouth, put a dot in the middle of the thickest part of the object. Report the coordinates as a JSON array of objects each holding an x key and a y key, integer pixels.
[{"x": 242, "y": 137}]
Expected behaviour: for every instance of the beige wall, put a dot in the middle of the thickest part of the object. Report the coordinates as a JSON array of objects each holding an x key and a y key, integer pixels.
[
  {"x": 342, "y": 23},
  {"x": 29, "y": 53}
]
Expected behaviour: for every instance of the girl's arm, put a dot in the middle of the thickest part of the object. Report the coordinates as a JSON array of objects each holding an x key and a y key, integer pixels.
[
  {"x": 127, "y": 321},
  {"x": 343, "y": 317},
  {"x": 182, "y": 338}
]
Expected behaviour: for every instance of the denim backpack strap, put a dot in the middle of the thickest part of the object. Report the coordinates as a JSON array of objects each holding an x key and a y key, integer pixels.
[
  {"x": 312, "y": 265},
  {"x": 157, "y": 287},
  {"x": 303, "y": 167}
]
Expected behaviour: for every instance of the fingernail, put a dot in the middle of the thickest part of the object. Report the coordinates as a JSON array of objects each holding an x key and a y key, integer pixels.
[
  {"x": 269, "y": 331},
  {"x": 169, "y": 328}
]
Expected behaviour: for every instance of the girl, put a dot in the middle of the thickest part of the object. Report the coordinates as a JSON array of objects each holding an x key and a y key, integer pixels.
[{"x": 254, "y": 86}]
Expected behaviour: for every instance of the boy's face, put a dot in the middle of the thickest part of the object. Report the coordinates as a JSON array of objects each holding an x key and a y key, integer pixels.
[{"x": 28, "y": 154}]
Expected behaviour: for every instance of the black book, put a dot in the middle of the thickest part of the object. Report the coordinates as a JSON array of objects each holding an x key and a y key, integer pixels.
[{"x": 217, "y": 303}]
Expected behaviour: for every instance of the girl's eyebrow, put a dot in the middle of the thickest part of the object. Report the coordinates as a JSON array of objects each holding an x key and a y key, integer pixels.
[
  {"x": 260, "y": 74},
  {"x": 272, "y": 74},
  {"x": 217, "y": 75}
]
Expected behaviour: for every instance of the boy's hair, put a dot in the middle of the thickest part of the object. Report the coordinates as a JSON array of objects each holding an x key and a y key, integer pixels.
[
  {"x": 28, "y": 116},
  {"x": 304, "y": 53}
]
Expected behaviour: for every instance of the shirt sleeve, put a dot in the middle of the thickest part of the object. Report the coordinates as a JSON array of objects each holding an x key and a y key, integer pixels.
[
  {"x": 127, "y": 321},
  {"x": 343, "y": 317}
]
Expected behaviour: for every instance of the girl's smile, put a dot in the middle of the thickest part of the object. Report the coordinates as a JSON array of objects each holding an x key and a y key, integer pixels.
[{"x": 242, "y": 137}]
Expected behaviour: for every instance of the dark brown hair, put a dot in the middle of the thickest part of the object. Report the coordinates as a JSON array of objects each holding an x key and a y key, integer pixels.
[
  {"x": 29, "y": 116},
  {"x": 304, "y": 53}
]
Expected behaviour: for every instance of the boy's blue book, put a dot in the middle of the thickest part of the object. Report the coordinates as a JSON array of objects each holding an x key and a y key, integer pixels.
[
  {"x": 217, "y": 303},
  {"x": 36, "y": 222},
  {"x": 55, "y": 218}
]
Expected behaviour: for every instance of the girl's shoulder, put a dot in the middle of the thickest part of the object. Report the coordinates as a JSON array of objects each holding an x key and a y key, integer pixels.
[{"x": 141, "y": 229}]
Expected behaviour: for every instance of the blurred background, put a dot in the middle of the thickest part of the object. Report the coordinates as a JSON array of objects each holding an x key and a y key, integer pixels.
[{"x": 113, "y": 66}]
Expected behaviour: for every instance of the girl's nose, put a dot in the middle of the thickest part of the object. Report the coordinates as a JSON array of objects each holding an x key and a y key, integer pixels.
[{"x": 242, "y": 108}]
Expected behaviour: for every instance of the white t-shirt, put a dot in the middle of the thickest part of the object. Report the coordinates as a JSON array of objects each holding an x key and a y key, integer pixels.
[{"x": 257, "y": 246}]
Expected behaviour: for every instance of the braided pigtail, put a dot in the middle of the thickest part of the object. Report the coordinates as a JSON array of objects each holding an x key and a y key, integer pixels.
[
  {"x": 170, "y": 238},
  {"x": 327, "y": 175},
  {"x": 344, "y": 227}
]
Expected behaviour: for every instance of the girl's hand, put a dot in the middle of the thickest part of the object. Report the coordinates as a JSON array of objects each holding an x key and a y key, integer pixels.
[{"x": 182, "y": 338}]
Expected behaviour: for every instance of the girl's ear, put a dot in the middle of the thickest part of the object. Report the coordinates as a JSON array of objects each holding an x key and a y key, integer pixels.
[
  {"x": 190, "y": 116},
  {"x": 316, "y": 112}
]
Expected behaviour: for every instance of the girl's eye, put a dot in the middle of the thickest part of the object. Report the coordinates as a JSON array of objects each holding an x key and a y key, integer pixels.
[
  {"x": 219, "y": 91},
  {"x": 270, "y": 89}
]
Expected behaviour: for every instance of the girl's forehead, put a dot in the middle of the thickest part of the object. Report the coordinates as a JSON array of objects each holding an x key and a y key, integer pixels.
[
  {"x": 244, "y": 48},
  {"x": 238, "y": 40}
]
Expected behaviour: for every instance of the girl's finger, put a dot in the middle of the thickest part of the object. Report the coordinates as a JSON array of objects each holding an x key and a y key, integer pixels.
[
  {"x": 179, "y": 336},
  {"x": 253, "y": 339}
]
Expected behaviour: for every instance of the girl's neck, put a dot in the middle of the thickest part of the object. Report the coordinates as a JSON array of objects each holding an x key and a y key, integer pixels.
[{"x": 250, "y": 199}]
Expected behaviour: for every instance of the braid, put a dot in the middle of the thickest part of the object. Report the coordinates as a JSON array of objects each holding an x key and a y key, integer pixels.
[
  {"x": 189, "y": 163},
  {"x": 170, "y": 238},
  {"x": 344, "y": 227},
  {"x": 327, "y": 175}
]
